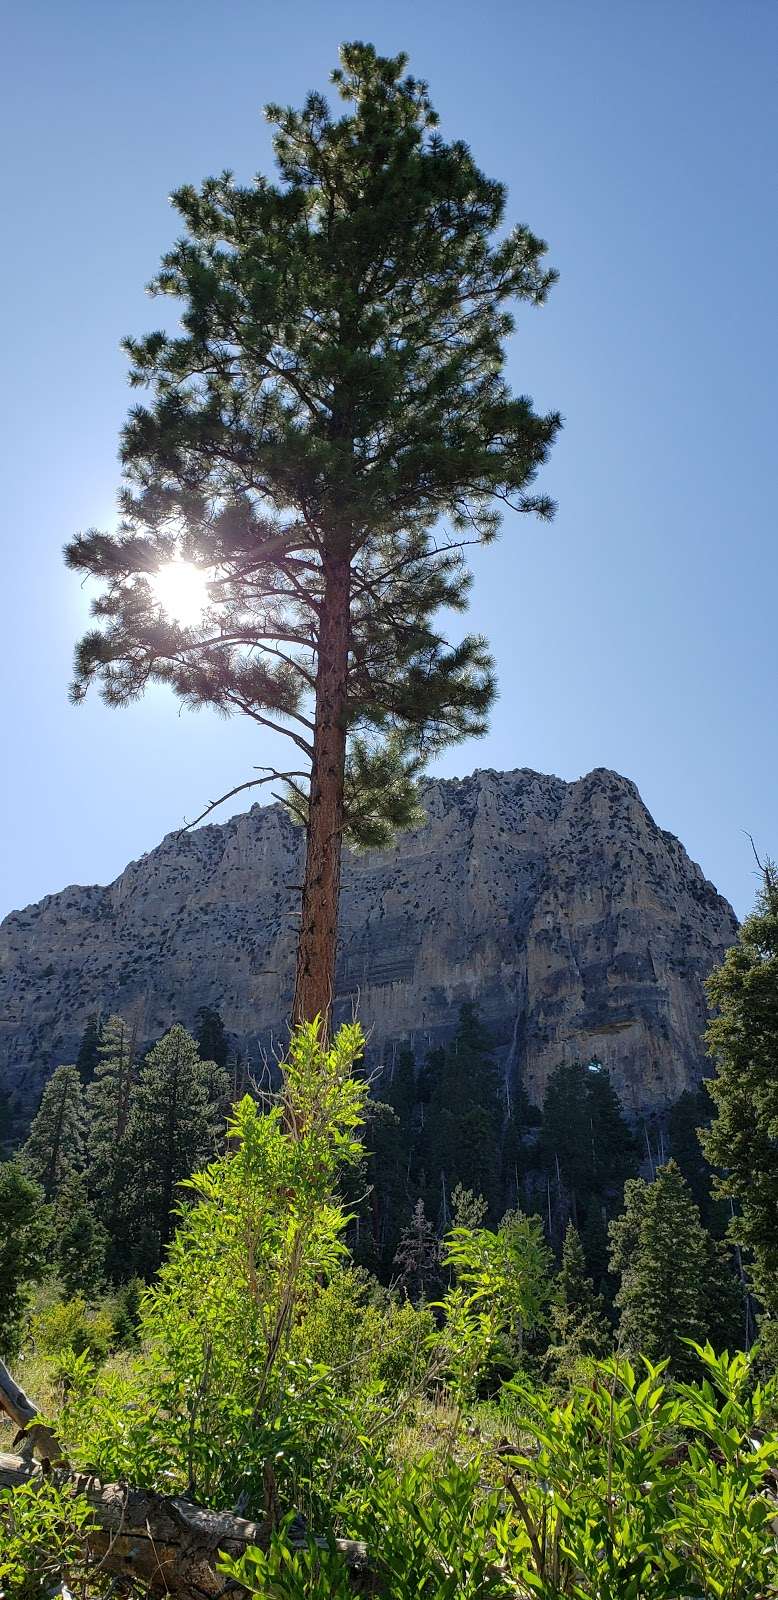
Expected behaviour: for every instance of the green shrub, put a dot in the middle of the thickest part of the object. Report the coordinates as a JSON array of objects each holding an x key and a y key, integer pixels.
[
  {"x": 42, "y": 1531},
  {"x": 70, "y": 1325}
]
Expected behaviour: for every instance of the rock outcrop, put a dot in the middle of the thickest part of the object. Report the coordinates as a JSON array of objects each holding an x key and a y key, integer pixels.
[{"x": 581, "y": 929}]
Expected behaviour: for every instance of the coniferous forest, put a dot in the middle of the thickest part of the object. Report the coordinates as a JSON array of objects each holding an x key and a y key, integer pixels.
[{"x": 293, "y": 1328}]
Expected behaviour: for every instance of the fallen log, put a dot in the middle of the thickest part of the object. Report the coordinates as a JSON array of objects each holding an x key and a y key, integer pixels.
[
  {"x": 164, "y": 1543},
  {"x": 36, "y": 1438}
]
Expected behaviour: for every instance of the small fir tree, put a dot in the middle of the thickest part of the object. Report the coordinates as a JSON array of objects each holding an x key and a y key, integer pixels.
[
  {"x": 330, "y": 426},
  {"x": 25, "y": 1236},
  {"x": 55, "y": 1146},
  {"x": 81, "y": 1242},
  {"x": 742, "y": 1140},
  {"x": 417, "y": 1257},
  {"x": 579, "y": 1324}
]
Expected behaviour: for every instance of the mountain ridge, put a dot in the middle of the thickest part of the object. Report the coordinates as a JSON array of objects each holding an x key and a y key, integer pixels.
[{"x": 560, "y": 907}]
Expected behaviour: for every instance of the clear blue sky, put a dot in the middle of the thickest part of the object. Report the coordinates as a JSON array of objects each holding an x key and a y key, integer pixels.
[{"x": 638, "y": 631}]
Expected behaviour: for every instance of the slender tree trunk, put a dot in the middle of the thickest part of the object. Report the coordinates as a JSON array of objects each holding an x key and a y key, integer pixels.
[{"x": 317, "y": 946}]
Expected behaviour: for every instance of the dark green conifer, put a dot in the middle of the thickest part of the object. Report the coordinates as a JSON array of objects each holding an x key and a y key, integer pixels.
[
  {"x": 25, "y": 1237},
  {"x": 586, "y": 1146},
  {"x": 108, "y": 1102},
  {"x": 80, "y": 1240},
  {"x": 329, "y": 427},
  {"x": 742, "y": 1140},
  {"x": 175, "y": 1126},
  {"x": 211, "y": 1036},
  {"x": 670, "y": 1271},
  {"x": 579, "y": 1324},
  {"x": 55, "y": 1146},
  {"x": 89, "y": 1050},
  {"x": 689, "y": 1117},
  {"x": 461, "y": 1139}
]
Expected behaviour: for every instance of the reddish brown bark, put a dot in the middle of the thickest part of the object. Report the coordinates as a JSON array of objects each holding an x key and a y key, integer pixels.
[{"x": 317, "y": 946}]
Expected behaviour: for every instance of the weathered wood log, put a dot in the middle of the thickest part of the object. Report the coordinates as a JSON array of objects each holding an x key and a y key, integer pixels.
[
  {"x": 37, "y": 1438},
  {"x": 166, "y": 1544}
]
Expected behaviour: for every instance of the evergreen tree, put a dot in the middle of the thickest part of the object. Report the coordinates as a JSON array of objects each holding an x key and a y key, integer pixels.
[
  {"x": 666, "y": 1258},
  {"x": 687, "y": 1123},
  {"x": 743, "y": 1138},
  {"x": 211, "y": 1036},
  {"x": 329, "y": 429},
  {"x": 55, "y": 1146},
  {"x": 108, "y": 1101},
  {"x": 5, "y": 1119},
  {"x": 400, "y": 1091},
  {"x": 586, "y": 1146},
  {"x": 81, "y": 1242},
  {"x": 89, "y": 1050},
  {"x": 578, "y": 1320},
  {"x": 175, "y": 1125},
  {"x": 594, "y": 1241},
  {"x": 460, "y": 1143},
  {"x": 417, "y": 1257},
  {"x": 25, "y": 1233}
]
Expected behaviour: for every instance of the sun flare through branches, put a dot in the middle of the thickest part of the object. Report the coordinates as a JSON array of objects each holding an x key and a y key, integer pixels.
[{"x": 181, "y": 589}]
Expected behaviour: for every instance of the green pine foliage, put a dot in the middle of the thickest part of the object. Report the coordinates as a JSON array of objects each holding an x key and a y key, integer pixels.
[
  {"x": 579, "y": 1324},
  {"x": 81, "y": 1241},
  {"x": 174, "y": 1127},
  {"x": 25, "y": 1238},
  {"x": 211, "y": 1036},
  {"x": 743, "y": 1138},
  {"x": 461, "y": 1139},
  {"x": 108, "y": 1102},
  {"x": 674, "y": 1285},
  {"x": 587, "y": 1147},
  {"x": 89, "y": 1050},
  {"x": 327, "y": 430},
  {"x": 55, "y": 1146}
]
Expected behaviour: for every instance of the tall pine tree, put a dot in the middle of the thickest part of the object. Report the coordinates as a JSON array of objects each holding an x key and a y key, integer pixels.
[
  {"x": 175, "y": 1125},
  {"x": 586, "y": 1146},
  {"x": 55, "y": 1146},
  {"x": 329, "y": 429},
  {"x": 108, "y": 1101},
  {"x": 743, "y": 1137},
  {"x": 211, "y": 1036},
  {"x": 25, "y": 1237},
  {"x": 460, "y": 1142}
]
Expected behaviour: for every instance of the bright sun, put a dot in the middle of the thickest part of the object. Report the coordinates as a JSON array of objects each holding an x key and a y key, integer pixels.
[{"x": 182, "y": 591}]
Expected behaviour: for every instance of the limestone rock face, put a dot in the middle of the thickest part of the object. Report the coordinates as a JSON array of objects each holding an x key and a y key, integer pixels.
[{"x": 580, "y": 928}]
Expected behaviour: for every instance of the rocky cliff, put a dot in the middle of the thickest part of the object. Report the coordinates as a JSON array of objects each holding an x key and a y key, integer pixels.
[{"x": 580, "y": 928}]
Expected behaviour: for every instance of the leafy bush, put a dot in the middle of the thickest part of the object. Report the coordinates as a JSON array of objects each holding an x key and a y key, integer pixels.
[
  {"x": 70, "y": 1325},
  {"x": 42, "y": 1531}
]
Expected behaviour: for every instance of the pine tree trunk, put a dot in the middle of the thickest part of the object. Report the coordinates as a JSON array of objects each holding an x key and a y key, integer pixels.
[{"x": 317, "y": 946}]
